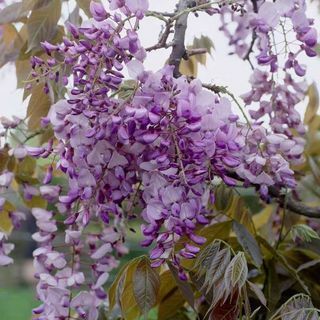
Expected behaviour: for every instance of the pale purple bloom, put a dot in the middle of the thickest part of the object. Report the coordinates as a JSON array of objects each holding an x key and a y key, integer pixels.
[{"x": 6, "y": 179}]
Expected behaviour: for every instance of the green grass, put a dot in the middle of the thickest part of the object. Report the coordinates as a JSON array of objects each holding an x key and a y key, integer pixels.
[{"x": 17, "y": 303}]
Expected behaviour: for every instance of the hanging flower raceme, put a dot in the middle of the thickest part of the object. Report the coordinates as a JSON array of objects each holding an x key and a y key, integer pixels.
[
  {"x": 159, "y": 148},
  {"x": 279, "y": 33}
]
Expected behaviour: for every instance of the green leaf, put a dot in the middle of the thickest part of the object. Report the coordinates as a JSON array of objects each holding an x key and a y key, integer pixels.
[
  {"x": 313, "y": 104},
  {"x": 272, "y": 289},
  {"x": 112, "y": 293},
  {"x": 189, "y": 67},
  {"x": 210, "y": 267},
  {"x": 75, "y": 17},
  {"x": 298, "y": 307},
  {"x": 4, "y": 157},
  {"x": 26, "y": 167},
  {"x": 211, "y": 264},
  {"x": 258, "y": 293},
  {"x": 125, "y": 292},
  {"x": 16, "y": 12},
  {"x": 203, "y": 42},
  {"x": 23, "y": 69},
  {"x": 303, "y": 232},
  {"x": 217, "y": 268},
  {"x": 263, "y": 217},
  {"x": 38, "y": 106},
  {"x": 36, "y": 202},
  {"x": 170, "y": 298},
  {"x": 205, "y": 258},
  {"x": 237, "y": 272},
  {"x": 146, "y": 283},
  {"x": 42, "y": 24},
  {"x": 248, "y": 242},
  {"x": 135, "y": 280},
  {"x": 5, "y": 220},
  {"x": 127, "y": 89},
  {"x": 85, "y": 6},
  {"x": 277, "y": 255},
  {"x": 223, "y": 198},
  {"x": 184, "y": 286},
  {"x": 315, "y": 169},
  {"x": 216, "y": 231},
  {"x": 8, "y": 52}
]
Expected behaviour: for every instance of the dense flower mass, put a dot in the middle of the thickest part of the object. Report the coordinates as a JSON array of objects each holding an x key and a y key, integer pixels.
[{"x": 158, "y": 146}]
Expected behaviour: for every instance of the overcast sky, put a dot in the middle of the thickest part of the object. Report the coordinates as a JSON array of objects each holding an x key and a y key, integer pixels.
[{"x": 221, "y": 69}]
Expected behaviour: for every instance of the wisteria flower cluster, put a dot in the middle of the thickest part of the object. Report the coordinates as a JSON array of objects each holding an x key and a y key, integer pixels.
[
  {"x": 279, "y": 33},
  {"x": 159, "y": 147}
]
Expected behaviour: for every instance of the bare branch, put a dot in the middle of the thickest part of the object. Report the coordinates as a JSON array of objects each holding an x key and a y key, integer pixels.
[
  {"x": 215, "y": 88},
  {"x": 159, "y": 14},
  {"x": 179, "y": 50},
  {"x": 250, "y": 50},
  {"x": 254, "y": 35},
  {"x": 192, "y": 52},
  {"x": 294, "y": 205},
  {"x": 162, "y": 43}
]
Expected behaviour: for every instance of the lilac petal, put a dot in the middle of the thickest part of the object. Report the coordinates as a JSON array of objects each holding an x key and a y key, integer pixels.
[
  {"x": 98, "y": 254},
  {"x": 5, "y": 260},
  {"x": 135, "y": 69},
  {"x": 156, "y": 253},
  {"x": 197, "y": 239},
  {"x": 97, "y": 10}
]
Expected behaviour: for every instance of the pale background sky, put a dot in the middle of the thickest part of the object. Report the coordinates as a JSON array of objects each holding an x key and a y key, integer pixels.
[{"x": 221, "y": 69}]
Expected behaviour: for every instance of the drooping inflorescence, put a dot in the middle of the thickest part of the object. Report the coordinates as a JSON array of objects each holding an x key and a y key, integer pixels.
[{"x": 157, "y": 147}]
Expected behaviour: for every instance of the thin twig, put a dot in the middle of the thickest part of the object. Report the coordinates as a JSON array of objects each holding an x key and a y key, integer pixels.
[
  {"x": 224, "y": 90},
  {"x": 158, "y": 14},
  {"x": 162, "y": 43},
  {"x": 294, "y": 205},
  {"x": 193, "y": 52},
  {"x": 283, "y": 220}
]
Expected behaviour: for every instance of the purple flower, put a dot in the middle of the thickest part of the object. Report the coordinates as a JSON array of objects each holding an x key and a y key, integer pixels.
[{"x": 98, "y": 11}]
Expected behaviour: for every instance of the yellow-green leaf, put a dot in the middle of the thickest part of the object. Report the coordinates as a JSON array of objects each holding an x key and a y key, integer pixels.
[
  {"x": 125, "y": 293},
  {"x": 122, "y": 292},
  {"x": 16, "y": 12},
  {"x": 5, "y": 221},
  {"x": 42, "y": 24},
  {"x": 313, "y": 104},
  {"x": 4, "y": 157},
  {"x": 85, "y": 6},
  {"x": 36, "y": 202},
  {"x": 7, "y": 41},
  {"x": 262, "y": 218},
  {"x": 24, "y": 172},
  {"x": 26, "y": 166},
  {"x": 248, "y": 242},
  {"x": 23, "y": 69},
  {"x": 184, "y": 286},
  {"x": 203, "y": 42},
  {"x": 170, "y": 297},
  {"x": 216, "y": 231},
  {"x": 189, "y": 67},
  {"x": 38, "y": 106},
  {"x": 146, "y": 283},
  {"x": 237, "y": 271},
  {"x": 280, "y": 258},
  {"x": 258, "y": 293}
]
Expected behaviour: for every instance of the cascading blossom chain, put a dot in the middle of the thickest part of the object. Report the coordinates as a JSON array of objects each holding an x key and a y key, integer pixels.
[{"x": 159, "y": 147}]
